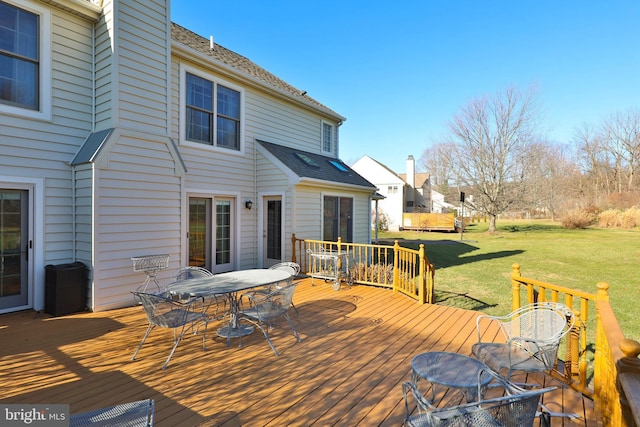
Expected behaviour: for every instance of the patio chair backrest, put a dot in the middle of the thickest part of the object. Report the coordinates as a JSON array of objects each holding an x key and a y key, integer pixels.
[
  {"x": 511, "y": 410},
  {"x": 532, "y": 333},
  {"x": 191, "y": 272},
  {"x": 291, "y": 267},
  {"x": 163, "y": 311},
  {"x": 138, "y": 414},
  {"x": 539, "y": 321},
  {"x": 275, "y": 303}
]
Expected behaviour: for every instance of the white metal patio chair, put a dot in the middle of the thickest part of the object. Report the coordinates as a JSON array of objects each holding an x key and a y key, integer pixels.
[
  {"x": 516, "y": 408},
  {"x": 165, "y": 312},
  {"x": 131, "y": 414},
  {"x": 193, "y": 272},
  {"x": 532, "y": 334},
  {"x": 288, "y": 266},
  {"x": 265, "y": 308}
]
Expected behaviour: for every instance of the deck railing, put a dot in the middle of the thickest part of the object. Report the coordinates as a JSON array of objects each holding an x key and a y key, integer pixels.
[
  {"x": 402, "y": 269},
  {"x": 612, "y": 378}
]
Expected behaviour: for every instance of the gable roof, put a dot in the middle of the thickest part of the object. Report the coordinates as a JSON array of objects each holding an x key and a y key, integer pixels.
[
  {"x": 308, "y": 165},
  {"x": 244, "y": 65}
]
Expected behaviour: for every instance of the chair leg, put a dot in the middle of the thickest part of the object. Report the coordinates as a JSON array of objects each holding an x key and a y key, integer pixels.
[
  {"x": 266, "y": 335},
  {"x": 293, "y": 328},
  {"x": 146, "y": 334},
  {"x": 172, "y": 351},
  {"x": 294, "y": 307}
]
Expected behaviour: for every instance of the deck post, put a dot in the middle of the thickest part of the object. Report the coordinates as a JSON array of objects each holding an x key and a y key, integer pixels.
[
  {"x": 293, "y": 247},
  {"x": 396, "y": 265},
  {"x": 422, "y": 278},
  {"x": 515, "y": 286}
]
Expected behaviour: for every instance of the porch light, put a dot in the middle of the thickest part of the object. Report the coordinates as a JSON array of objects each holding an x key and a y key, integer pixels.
[{"x": 248, "y": 204}]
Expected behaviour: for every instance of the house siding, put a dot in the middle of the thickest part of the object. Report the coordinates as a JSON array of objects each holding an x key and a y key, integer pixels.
[
  {"x": 104, "y": 58},
  {"x": 138, "y": 198},
  {"x": 274, "y": 182}
]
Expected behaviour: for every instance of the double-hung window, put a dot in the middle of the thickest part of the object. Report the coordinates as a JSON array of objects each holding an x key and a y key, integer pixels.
[
  {"x": 327, "y": 137},
  {"x": 212, "y": 113},
  {"x": 21, "y": 58}
]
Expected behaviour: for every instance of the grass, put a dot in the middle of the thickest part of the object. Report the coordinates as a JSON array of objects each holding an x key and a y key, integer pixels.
[{"x": 473, "y": 269}]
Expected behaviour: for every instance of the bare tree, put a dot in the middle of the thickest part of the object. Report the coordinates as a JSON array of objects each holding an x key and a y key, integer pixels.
[
  {"x": 595, "y": 161},
  {"x": 622, "y": 134},
  {"x": 552, "y": 179},
  {"x": 493, "y": 138},
  {"x": 438, "y": 160}
]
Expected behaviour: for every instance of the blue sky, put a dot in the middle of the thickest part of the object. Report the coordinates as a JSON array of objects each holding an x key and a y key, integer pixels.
[{"x": 399, "y": 71}]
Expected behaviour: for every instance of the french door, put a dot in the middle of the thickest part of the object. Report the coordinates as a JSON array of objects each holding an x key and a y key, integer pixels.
[
  {"x": 14, "y": 248},
  {"x": 212, "y": 233}
]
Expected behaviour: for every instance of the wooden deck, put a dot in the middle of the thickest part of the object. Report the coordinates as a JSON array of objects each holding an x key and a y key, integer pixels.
[{"x": 356, "y": 351}]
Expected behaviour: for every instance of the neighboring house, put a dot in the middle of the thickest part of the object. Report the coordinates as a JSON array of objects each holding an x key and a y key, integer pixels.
[
  {"x": 403, "y": 193},
  {"x": 122, "y": 134}
]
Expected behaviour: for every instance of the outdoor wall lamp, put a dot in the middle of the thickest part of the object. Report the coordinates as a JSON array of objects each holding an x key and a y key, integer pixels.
[{"x": 248, "y": 204}]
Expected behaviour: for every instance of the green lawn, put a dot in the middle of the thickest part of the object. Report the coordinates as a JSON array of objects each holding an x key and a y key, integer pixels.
[{"x": 473, "y": 270}]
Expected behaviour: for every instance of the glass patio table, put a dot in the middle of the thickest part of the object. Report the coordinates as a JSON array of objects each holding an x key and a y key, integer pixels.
[{"x": 230, "y": 285}]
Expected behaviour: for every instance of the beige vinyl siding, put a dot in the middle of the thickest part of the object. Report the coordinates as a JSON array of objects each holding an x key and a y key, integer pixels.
[
  {"x": 361, "y": 218},
  {"x": 138, "y": 202},
  {"x": 83, "y": 198},
  {"x": 143, "y": 49},
  {"x": 42, "y": 149},
  {"x": 104, "y": 86},
  {"x": 272, "y": 181},
  {"x": 308, "y": 215},
  {"x": 273, "y": 121}
]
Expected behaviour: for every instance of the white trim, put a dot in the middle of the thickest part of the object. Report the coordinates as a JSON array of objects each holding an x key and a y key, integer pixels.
[
  {"x": 44, "y": 63},
  {"x": 35, "y": 186},
  {"x": 184, "y": 69}
]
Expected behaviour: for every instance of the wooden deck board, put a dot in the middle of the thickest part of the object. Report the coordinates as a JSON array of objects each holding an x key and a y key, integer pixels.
[{"x": 356, "y": 352}]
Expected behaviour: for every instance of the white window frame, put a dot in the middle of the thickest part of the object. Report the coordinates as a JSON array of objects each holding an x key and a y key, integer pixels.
[
  {"x": 333, "y": 137},
  {"x": 184, "y": 69},
  {"x": 44, "y": 102}
]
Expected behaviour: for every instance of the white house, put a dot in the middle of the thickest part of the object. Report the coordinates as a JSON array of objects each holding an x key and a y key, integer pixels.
[
  {"x": 408, "y": 192},
  {"x": 123, "y": 135}
]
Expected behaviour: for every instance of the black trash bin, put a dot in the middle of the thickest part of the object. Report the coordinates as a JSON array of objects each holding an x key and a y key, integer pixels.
[{"x": 65, "y": 286}]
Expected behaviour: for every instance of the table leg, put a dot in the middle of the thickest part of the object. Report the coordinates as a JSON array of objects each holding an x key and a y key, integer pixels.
[{"x": 235, "y": 329}]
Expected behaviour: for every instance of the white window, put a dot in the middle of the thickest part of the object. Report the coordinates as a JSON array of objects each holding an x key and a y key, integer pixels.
[
  {"x": 24, "y": 60},
  {"x": 212, "y": 112},
  {"x": 327, "y": 137}
]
